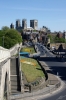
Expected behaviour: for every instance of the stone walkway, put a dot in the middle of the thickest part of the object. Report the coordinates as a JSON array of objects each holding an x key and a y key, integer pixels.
[
  {"x": 50, "y": 87},
  {"x": 52, "y": 79}
]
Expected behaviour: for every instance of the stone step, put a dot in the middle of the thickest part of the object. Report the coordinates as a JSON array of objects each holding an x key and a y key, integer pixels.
[
  {"x": 13, "y": 80},
  {"x": 14, "y": 73},
  {"x": 13, "y": 83},
  {"x": 14, "y": 87},
  {"x": 14, "y": 77},
  {"x": 0, "y": 71},
  {"x": 0, "y": 93},
  {"x": 14, "y": 91},
  {"x": 13, "y": 68},
  {"x": 0, "y": 77},
  {"x": 17, "y": 93}
]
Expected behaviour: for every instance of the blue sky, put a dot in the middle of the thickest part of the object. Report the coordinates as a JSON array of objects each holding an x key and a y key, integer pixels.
[{"x": 50, "y": 13}]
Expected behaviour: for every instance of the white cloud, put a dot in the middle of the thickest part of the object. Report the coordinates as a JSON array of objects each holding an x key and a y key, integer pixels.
[{"x": 33, "y": 9}]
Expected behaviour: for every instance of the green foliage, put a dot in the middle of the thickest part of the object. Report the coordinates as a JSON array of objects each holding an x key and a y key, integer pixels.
[
  {"x": 55, "y": 39},
  {"x": 34, "y": 30},
  {"x": 13, "y": 34},
  {"x": 65, "y": 40},
  {"x": 11, "y": 37},
  {"x": 8, "y": 42},
  {"x": 51, "y": 38},
  {"x": 5, "y": 28},
  {"x": 30, "y": 71},
  {"x": 2, "y": 33},
  {"x": 0, "y": 41},
  {"x": 59, "y": 40}
]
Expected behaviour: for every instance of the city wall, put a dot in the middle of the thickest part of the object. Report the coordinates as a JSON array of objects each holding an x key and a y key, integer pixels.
[
  {"x": 56, "y": 45},
  {"x": 5, "y": 55}
]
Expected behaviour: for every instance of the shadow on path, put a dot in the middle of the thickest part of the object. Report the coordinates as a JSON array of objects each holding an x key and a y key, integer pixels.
[{"x": 57, "y": 66}]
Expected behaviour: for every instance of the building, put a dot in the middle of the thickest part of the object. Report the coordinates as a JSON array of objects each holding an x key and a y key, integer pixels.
[
  {"x": 18, "y": 25},
  {"x": 12, "y": 26},
  {"x": 34, "y": 24},
  {"x": 44, "y": 29},
  {"x": 59, "y": 35},
  {"x": 64, "y": 35},
  {"x": 24, "y": 24},
  {"x": 30, "y": 29}
]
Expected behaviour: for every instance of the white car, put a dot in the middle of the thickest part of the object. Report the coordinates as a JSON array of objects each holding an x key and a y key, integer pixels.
[
  {"x": 36, "y": 56},
  {"x": 53, "y": 48}
]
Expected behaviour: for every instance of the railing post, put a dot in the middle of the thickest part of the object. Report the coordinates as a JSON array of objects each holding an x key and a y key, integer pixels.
[
  {"x": 20, "y": 72},
  {"x": 22, "y": 84}
]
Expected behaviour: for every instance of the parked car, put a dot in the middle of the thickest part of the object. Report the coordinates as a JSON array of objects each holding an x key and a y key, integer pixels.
[{"x": 36, "y": 56}]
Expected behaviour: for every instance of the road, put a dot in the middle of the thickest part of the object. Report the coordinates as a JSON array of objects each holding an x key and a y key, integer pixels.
[{"x": 57, "y": 66}]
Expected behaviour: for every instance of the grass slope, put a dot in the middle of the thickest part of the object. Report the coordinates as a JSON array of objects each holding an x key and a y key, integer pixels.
[
  {"x": 32, "y": 72},
  {"x": 28, "y": 49}
]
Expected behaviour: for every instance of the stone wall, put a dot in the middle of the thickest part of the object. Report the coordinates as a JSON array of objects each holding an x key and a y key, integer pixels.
[
  {"x": 5, "y": 70},
  {"x": 14, "y": 49},
  {"x": 56, "y": 45},
  {"x": 5, "y": 55}
]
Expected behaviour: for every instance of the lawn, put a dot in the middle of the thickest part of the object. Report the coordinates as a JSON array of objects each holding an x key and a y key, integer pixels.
[
  {"x": 31, "y": 69},
  {"x": 28, "y": 49}
]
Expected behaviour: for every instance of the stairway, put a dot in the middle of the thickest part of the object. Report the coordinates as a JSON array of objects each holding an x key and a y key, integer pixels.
[
  {"x": 14, "y": 76},
  {"x": 0, "y": 80}
]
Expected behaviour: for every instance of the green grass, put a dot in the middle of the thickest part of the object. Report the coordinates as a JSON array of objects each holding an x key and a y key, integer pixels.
[
  {"x": 28, "y": 49},
  {"x": 31, "y": 72}
]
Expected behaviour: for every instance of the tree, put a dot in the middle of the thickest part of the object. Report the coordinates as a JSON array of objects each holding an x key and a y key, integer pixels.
[
  {"x": 5, "y": 28},
  {"x": 2, "y": 33},
  {"x": 51, "y": 38},
  {"x": 60, "y": 47},
  {"x": 59, "y": 40},
  {"x": 11, "y": 37}
]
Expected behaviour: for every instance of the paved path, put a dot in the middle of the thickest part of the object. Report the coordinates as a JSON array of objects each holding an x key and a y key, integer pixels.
[
  {"x": 57, "y": 66},
  {"x": 51, "y": 77},
  {"x": 42, "y": 94}
]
